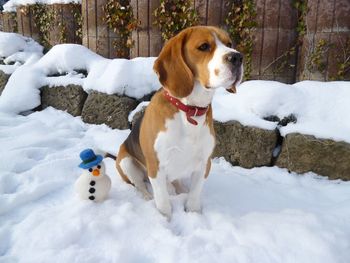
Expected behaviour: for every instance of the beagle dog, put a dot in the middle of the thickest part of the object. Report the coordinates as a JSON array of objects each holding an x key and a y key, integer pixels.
[{"x": 175, "y": 138}]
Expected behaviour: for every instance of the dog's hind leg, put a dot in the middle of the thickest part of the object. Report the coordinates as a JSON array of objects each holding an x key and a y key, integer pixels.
[{"x": 132, "y": 172}]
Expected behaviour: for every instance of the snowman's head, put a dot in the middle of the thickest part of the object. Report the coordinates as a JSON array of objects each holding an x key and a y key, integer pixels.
[{"x": 96, "y": 171}]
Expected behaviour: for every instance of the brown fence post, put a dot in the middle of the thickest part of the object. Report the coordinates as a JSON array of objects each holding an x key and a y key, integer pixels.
[
  {"x": 211, "y": 12},
  {"x": 96, "y": 34},
  {"x": 327, "y": 36},
  {"x": 26, "y": 24},
  {"x": 147, "y": 38},
  {"x": 9, "y": 22},
  {"x": 64, "y": 24}
]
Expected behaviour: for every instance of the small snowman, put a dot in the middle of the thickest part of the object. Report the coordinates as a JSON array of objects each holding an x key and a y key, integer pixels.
[{"x": 93, "y": 184}]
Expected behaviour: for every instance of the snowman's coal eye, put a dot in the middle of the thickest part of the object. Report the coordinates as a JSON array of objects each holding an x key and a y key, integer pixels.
[
  {"x": 90, "y": 170},
  {"x": 99, "y": 166}
]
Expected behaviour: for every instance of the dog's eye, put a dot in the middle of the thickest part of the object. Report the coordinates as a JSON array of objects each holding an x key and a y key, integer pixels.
[
  {"x": 99, "y": 166},
  {"x": 204, "y": 47},
  {"x": 229, "y": 44},
  {"x": 90, "y": 170}
]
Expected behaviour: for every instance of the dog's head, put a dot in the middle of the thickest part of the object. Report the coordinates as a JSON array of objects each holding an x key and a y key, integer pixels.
[{"x": 202, "y": 54}]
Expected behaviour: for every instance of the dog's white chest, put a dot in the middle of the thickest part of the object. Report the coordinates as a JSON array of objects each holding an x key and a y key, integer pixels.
[{"x": 183, "y": 148}]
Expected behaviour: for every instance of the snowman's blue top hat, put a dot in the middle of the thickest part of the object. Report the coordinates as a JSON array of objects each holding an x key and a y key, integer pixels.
[{"x": 89, "y": 159}]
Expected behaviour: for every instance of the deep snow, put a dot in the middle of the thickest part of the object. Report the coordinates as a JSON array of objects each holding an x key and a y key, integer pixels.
[
  {"x": 258, "y": 215},
  {"x": 321, "y": 108},
  {"x": 134, "y": 78},
  {"x": 16, "y": 50}
]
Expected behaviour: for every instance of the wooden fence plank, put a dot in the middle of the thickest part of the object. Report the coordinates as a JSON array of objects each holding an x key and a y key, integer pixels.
[
  {"x": 26, "y": 24},
  {"x": 91, "y": 18},
  {"x": 214, "y": 13},
  {"x": 9, "y": 22},
  {"x": 64, "y": 25},
  {"x": 275, "y": 36},
  {"x": 134, "y": 51},
  {"x": 155, "y": 38},
  {"x": 143, "y": 17},
  {"x": 147, "y": 37},
  {"x": 96, "y": 34},
  {"x": 201, "y": 7}
]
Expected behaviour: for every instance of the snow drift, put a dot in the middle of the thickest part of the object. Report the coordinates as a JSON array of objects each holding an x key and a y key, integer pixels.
[
  {"x": 134, "y": 78},
  {"x": 16, "y": 50},
  {"x": 260, "y": 215}
]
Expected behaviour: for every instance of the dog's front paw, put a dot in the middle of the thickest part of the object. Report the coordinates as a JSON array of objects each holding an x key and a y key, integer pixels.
[
  {"x": 193, "y": 206},
  {"x": 165, "y": 209},
  {"x": 147, "y": 196}
]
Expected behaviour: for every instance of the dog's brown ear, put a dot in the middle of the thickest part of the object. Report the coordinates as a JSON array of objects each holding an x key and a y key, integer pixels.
[{"x": 172, "y": 69}]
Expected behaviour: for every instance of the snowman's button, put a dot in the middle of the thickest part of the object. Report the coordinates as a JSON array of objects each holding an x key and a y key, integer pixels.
[
  {"x": 91, "y": 197},
  {"x": 92, "y": 183},
  {"x": 92, "y": 190}
]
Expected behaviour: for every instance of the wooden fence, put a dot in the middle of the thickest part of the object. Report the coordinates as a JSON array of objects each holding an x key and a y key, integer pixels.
[
  {"x": 26, "y": 23},
  {"x": 97, "y": 36},
  {"x": 274, "y": 35},
  {"x": 276, "y": 55},
  {"x": 277, "y": 50},
  {"x": 8, "y": 22},
  {"x": 65, "y": 26},
  {"x": 62, "y": 23},
  {"x": 147, "y": 38},
  {"x": 328, "y": 35}
]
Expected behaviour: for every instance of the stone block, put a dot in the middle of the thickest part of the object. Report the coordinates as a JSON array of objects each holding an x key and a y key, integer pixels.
[
  {"x": 3, "y": 80},
  {"x": 305, "y": 153},
  {"x": 69, "y": 98},
  {"x": 112, "y": 110},
  {"x": 245, "y": 146}
]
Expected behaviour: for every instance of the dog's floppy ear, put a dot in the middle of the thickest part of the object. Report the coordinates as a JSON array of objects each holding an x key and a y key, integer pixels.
[{"x": 171, "y": 68}]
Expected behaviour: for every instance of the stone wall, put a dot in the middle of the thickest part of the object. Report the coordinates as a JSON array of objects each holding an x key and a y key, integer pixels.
[
  {"x": 303, "y": 153},
  {"x": 3, "y": 80},
  {"x": 70, "y": 98},
  {"x": 112, "y": 110},
  {"x": 241, "y": 145}
]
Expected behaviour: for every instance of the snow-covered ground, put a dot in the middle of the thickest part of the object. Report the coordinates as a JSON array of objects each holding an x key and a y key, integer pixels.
[{"x": 258, "y": 215}]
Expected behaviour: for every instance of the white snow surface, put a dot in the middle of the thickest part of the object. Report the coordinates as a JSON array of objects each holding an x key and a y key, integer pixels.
[
  {"x": 134, "y": 78},
  {"x": 321, "y": 108},
  {"x": 257, "y": 215},
  {"x": 11, "y": 5},
  {"x": 17, "y": 49}
]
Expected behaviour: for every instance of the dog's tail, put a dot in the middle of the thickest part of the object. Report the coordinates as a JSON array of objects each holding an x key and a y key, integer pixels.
[{"x": 109, "y": 155}]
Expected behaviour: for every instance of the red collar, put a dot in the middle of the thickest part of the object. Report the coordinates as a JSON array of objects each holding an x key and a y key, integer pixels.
[{"x": 191, "y": 111}]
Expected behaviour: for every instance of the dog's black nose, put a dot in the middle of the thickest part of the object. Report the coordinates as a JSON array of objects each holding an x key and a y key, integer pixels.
[{"x": 235, "y": 58}]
